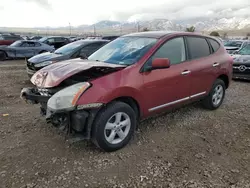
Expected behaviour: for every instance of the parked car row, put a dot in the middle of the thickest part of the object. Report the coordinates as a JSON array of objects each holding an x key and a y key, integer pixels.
[
  {"x": 81, "y": 48},
  {"x": 102, "y": 96}
]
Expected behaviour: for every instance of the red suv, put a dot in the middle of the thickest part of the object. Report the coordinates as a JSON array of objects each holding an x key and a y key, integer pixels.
[{"x": 131, "y": 78}]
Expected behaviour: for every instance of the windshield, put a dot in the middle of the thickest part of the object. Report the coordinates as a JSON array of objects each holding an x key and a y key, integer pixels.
[
  {"x": 16, "y": 44},
  {"x": 123, "y": 50},
  {"x": 69, "y": 48},
  {"x": 233, "y": 43},
  {"x": 245, "y": 50},
  {"x": 43, "y": 39}
]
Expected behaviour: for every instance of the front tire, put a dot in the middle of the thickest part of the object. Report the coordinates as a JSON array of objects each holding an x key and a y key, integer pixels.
[
  {"x": 114, "y": 126},
  {"x": 215, "y": 96},
  {"x": 3, "y": 56}
]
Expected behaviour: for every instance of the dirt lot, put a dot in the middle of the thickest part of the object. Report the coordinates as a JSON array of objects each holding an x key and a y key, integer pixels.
[{"x": 190, "y": 147}]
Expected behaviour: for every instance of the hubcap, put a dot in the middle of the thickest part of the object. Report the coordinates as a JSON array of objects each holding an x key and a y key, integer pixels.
[
  {"x": 218, "y": 95},
  {"x": 117, "y": 128}
]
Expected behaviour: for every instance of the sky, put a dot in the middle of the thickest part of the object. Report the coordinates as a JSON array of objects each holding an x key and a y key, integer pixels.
[{"x": 55, "y": 13}]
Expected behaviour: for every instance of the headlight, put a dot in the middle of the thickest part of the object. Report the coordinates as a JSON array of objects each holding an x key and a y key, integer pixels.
[
  {"x": 67, "y": 97},
  {"x": 43, "y": 64}
]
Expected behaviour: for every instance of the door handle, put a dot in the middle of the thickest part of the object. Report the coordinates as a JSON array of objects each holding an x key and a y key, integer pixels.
[
  {"x": 216, "y": 64},
  {"x": 185, "y": 72}
]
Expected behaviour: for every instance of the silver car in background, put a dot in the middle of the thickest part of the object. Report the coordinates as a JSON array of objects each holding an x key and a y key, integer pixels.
[{"x": 24, "y": 49}]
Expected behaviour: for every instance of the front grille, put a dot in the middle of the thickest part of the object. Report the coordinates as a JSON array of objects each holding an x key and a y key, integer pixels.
[
  {"x": 30, "y": 66},
  {"x": 241, "y": 68}
]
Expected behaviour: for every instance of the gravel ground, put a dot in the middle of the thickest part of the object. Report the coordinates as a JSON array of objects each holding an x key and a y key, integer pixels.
[{"x": 190, "y": 147}]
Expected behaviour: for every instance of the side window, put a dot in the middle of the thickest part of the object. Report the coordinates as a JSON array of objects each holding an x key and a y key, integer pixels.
[
  {"x": 51, "y": 40},
  {"x": 59, "y": 39},
  {"x": 37, "y": 44},
  {"x": 197, "y": 47},
  {"x": 31, "y": 44},
  {"x": 215, "y": 45},
  {"x": 174, "y": 50},
  {"x": 24, "y": 44},
  {"x": 91, "y": 48}
]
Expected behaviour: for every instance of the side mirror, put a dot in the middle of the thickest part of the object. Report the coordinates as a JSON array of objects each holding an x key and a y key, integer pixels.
[{"x": 160, "y": 63}]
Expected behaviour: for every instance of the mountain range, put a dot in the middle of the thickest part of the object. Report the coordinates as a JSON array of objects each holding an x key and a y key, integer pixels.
[
  {"x": 164, "y": 24},
  {"x": 116, "y": 27}
]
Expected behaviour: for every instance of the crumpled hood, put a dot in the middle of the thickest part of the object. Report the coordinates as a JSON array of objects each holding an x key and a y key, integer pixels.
[
  {"x": 242, "y": 59},
  {"x": 54, "y": 74},
  {"x": 47, "y": 56}
]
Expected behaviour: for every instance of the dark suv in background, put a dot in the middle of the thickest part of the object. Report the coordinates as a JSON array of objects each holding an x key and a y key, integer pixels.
[
  {"x": 81, "y": 48},
  {"x": 57, "y": 42}
]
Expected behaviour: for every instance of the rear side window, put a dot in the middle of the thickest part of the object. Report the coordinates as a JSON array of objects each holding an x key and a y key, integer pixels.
[
  {"x": 91, "y": 48},
  {"x": 37, "y": 44},
  {"x": 215, "y": 45},
  {"x": 197, "y": 47}
]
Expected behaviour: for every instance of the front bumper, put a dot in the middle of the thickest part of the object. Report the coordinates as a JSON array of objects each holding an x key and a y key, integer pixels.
[
  {"x": 75, "y": 123},
  {"x": 241, "y": 76},
  {"x": 30, "y": 72}
]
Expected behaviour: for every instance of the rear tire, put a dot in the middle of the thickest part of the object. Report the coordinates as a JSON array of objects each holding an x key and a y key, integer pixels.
[
  {"x": 114, "y": 126},
  {"x": 215, "y": 96},
  {"x": 3, "y": 56}
]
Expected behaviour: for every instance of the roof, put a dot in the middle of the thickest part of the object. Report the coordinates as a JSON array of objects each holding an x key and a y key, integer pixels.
[
  {"x": 151, "y": 34},
  {"x": 87, "y": 41},
  {"x": 94, "y": 40},
  {"x": 161, "y": 34}
]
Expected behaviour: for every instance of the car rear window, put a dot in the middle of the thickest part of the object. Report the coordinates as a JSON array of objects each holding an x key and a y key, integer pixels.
[
  {"x": 215, "y": 45},
  {"x": 197, "y": 47}
]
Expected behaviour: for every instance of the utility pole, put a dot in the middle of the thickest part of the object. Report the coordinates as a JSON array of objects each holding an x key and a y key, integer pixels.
[
  {"x": 121, "y": 29},
  {"x": 69, "y": 29},
  {"x": 94, "y": 30}
]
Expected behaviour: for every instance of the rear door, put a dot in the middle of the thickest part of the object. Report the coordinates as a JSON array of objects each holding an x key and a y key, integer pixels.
[
  {"x": 202, "y": 65},
  {"x": 167, "y": 87},
  {"x": 26, "y": 49}
]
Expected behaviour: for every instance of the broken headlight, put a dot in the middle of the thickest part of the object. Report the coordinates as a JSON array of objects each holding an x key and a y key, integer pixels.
[{"x": 67, "y": 97}]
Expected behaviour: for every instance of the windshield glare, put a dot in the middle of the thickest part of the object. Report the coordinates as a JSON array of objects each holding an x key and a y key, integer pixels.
[
  {"x": 124, "y": 50},
  {"x": 69, "y": 48},
  {"x": 16, "y": 44},
  {"x": 233, "y": 43},
  {"x": 245, "y": 50}
]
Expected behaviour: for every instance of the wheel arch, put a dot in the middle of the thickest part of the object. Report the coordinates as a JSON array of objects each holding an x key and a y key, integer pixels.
[
  {"x": 6, "y": 54},
  {"x": 133, "y": 103},
  {"x": 225, "y": 79}
]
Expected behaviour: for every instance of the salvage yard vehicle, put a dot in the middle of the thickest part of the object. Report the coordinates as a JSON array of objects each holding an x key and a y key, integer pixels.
[
  {"x": 9, "y": 39},
  {"x": 234, "y": 45},
  {"x": 131, "y": 78},
  {"x": 81, "y": 48},
  {"x": 23, "y": 49},
  {"x": 56, "y": 41},
  {"x": 241, "y": 64}
]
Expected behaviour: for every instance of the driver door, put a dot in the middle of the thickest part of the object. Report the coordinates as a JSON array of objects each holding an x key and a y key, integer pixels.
[{"x": 164, "y": 88}]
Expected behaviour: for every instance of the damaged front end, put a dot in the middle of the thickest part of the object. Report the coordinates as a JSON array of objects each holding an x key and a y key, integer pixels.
[
  {"x": 60, "y": 109},
  {"x": 58, "y": 96}
]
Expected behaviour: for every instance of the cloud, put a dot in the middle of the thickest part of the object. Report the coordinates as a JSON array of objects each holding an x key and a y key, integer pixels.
[
  {"x": 186, "y": 9},
  {"x": 33, "y": 13},
  {"x": 42, "y": 3}
]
